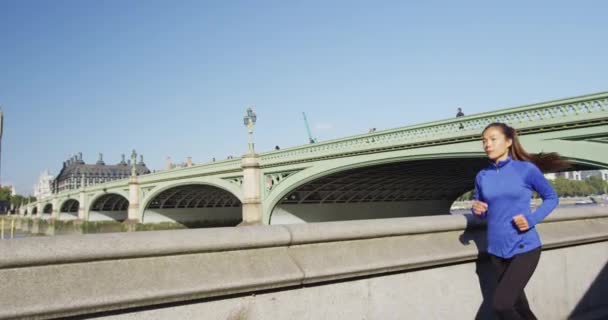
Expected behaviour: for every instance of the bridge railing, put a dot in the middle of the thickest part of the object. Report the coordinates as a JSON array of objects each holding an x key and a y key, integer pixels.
[
  {"x": 572, "y": 110},
  {"x": 214, "y": 168}
]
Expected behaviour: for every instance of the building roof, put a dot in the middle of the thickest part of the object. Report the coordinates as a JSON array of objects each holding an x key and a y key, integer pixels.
[{"x": 77, "y": 167}]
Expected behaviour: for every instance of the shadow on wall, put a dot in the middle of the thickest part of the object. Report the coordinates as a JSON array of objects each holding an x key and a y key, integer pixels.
[
  {"x": 594, "y": 305},
  {"x": 212, "y": 224},
  {"x": 475, "y": 232}
]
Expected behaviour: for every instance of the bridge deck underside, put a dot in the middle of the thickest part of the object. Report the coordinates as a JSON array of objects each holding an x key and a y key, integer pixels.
[
  {"x": 110, "y": 202},
  {"x": 403, "y": 189},
  {"x": 440, "y": 179},
  {"x": 194, "y": 196},
  {"x": 437, "y": 179},
  {"x": 194, "y": 206},
  {"x": 70, "y": 206}
]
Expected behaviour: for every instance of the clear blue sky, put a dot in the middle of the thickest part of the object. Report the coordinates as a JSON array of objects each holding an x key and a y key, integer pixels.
[{"x": 173, "y": 78}]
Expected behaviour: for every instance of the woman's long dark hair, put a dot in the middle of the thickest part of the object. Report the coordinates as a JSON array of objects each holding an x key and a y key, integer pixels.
[{"x": 546, "y": 162}]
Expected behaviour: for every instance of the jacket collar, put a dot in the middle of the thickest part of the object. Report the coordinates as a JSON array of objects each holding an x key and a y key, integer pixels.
[{"x": 500, "y": 164}]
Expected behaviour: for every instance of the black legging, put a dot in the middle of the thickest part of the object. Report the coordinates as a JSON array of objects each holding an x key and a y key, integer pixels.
[{"x": 510, "y": 301}]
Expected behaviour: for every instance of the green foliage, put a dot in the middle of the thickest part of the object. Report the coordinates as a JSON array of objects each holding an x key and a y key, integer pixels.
[
  {"x": 159, "y": 226},
  {"x": 5, "y": 193},
  {"x": 599, "y": 186},
  {"x": 16, "y": 200},
  {"x": 571, "y": 188},
  {"x": 102, "y": 226}
]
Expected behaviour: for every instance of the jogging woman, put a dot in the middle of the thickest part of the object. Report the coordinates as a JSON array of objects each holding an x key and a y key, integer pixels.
[{"x": 502, "y": 195}]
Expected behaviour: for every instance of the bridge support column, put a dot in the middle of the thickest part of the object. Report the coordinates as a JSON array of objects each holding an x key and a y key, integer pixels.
[
  {"x": 35, "y": 229},
  {"x": 133, "y": 212},
  {"x": 82, "y": 207},
  {"x": 252, "y": 189},
  {"x": 40, "y": 208},
  {"x": 55, "y": 211}
]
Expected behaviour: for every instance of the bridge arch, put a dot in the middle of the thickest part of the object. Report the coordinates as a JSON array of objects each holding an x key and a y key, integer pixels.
[
  {"x": 193, "y": 203},
  {"x": 48, "y": 208},
  {"x": 68, "y": 208},
  {"x": 588, "y": 161},
  {"x": 68, "y": 205},
  {"x": 351, "y": 188},
  {"x": 108, "y": 206}
]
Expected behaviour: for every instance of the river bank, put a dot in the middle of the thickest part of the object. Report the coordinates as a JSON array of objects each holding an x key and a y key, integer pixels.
[{"x": 565, "y": 201}]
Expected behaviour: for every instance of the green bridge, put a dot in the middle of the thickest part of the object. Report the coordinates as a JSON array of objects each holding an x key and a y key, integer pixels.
[{"x": 413, "y": 170}]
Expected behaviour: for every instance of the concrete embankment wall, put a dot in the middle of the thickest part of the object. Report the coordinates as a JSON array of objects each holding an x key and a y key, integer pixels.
[{"x": 403, "y": 268}]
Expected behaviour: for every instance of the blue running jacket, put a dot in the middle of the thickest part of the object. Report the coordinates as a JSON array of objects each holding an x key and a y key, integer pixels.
[{"x": 507, "y": 188}]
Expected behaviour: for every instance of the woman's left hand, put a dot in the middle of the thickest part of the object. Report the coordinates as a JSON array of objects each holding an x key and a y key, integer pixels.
[{"x": 521, "y": 222}]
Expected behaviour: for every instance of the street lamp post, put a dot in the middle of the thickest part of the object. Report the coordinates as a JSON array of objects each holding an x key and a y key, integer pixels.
[
  {"x": 249, "y": 120},
  {"x": 250, "y": 162}
]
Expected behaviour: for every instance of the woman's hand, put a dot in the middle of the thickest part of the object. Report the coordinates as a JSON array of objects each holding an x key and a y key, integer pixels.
[
  {"x": 479, "y": 207},
  {"x": 521, "y": 222}
]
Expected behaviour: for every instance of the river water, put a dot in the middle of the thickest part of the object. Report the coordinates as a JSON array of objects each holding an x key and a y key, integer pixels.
[{"x": 569, "y": 206}]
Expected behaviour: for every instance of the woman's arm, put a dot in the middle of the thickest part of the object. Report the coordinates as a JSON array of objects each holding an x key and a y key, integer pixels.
[
  {"x": 539, "y": 183},
  {"x": 479, "y": 207}
]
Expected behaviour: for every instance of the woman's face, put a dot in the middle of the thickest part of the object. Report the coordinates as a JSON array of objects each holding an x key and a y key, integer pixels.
[{"x": 495, "y": 144}]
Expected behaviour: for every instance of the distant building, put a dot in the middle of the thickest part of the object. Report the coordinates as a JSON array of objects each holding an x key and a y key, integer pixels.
[
  {"x": 75, "y": 171},
  {"x": 580, "y": 175},
  {"x": 571, "y": 175},
  {"x": 44, "y": 187},
  {"x": 169, "y": 165},
  {"x": 550, "y": 176},
  {"x": 598, "y": 173}
]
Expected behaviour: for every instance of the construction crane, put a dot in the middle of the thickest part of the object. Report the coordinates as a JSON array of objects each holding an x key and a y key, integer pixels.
[{"x": 310, "y": 138}]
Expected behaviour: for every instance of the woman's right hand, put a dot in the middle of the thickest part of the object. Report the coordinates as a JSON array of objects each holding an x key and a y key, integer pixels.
[{"x": 479, "y": 207}]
